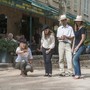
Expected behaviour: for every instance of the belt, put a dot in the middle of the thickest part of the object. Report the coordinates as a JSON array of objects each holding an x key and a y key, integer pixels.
[
  {"x": 64, "y": 41},
  {"x": 46, "y": 48}
]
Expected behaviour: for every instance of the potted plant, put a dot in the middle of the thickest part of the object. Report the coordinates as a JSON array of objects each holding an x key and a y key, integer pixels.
[{"x": 7, "y": 50}]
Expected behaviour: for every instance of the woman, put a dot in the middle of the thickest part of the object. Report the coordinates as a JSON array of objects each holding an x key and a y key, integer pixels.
[
  {"x": 24, "y": 57},
  {"x": 47, "y": 45},
  {"x": 78, "y": 47}
]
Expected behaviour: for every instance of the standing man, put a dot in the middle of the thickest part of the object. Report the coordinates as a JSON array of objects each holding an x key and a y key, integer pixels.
[{"x": 65, "y": 35}]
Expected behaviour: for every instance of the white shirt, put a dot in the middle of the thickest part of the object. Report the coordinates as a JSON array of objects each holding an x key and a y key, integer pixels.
[
  {"x": 24, "y": 56},
  {"x": 67, "y": 31},
  {"x": 48, "y": 42}
]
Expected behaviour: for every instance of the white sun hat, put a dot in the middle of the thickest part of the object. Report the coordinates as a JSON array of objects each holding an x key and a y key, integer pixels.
[
  {"x": 78, "y": 18},
  {"x": 62, "y": 17}
]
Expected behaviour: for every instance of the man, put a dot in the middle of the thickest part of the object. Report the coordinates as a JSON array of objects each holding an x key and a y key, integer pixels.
[
  {"x": 10, "y": 37},
  {"x": 65, "y": 36}
]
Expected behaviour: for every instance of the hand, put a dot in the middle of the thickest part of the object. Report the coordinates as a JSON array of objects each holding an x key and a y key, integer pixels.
[
  {"x": 76, "y": 49},
  {"x": 47, "y": 51},
  {"x": 72, "y": 50},
  {"x": 25, "y": 51},
  {"x": 40, "y": 47},
  {"x": 39, "y": 50},
  {"x": 63, "y": 37},
  {"x": 30, "y": 61}
]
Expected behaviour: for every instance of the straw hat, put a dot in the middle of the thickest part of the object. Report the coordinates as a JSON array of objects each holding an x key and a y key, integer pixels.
[
  {"x": 62, "y": 17},
  {"x": 78, "y": 18}
]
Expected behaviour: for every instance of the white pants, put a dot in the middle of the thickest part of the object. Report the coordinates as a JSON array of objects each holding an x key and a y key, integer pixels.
[{"x": 65, "y": 53}]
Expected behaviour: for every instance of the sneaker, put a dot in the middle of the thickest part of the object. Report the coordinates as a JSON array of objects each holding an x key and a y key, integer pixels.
[
  {"x": 76, "y": 77},
  {"x": 46, "y": 75},
  {"x": 50, "y": 75}
]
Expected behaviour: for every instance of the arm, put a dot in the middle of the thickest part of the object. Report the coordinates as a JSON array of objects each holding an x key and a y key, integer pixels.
[
  {"x": 81, "y": 41},
  {"x": 64, "y": 37},
  {"x": 73, "y": 43},
  {"x": 19, "y": 51},
  {"x": 42, "y": 39},
  {"x": 58, "y": 36},
  {"x": 30, "y": 56},
  {"x": 71, "y": 37},
  {"x": 52, "y": 44}
]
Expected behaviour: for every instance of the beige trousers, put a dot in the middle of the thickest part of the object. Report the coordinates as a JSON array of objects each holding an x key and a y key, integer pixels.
[{"x": 65, "y": 53}]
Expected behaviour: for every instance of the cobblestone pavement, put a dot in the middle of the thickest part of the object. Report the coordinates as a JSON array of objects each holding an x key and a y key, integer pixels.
[{"x": 11, "y": 80}]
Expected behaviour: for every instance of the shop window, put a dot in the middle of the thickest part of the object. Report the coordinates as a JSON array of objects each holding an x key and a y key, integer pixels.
[
  {"x": 86, "y": 5},
  {"x": 25, "y": 27},
  {"x": 68, "y": 4},
  {"x": 57, "y": 1},
  {"x": 75, "y": 5},
  {"x": 3, "y": 24}
]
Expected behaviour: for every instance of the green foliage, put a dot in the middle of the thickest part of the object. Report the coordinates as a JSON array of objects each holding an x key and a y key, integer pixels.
[
  {"x": 72, "y": 23},
  {"x": 87, "y": 42},
  {"x": 9, "y": 46}
]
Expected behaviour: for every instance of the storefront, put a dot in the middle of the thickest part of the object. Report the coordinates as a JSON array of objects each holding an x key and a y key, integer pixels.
[{"x": 25, "y": 16}]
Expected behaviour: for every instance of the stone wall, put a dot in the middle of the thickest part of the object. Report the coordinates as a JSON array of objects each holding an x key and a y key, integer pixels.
[{"x": 13, "y": 18}]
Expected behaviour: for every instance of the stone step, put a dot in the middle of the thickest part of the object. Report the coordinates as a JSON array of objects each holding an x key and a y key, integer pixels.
[{"x": 38, "y": 62}]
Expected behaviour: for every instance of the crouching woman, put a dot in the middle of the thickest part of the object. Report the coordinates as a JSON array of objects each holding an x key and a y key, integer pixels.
[{"x": 24, "y": 58}]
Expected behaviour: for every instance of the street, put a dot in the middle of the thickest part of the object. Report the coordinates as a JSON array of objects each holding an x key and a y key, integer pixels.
[
  {"x": 54, "y": 34},
  {"x": 10, "y": 79}
]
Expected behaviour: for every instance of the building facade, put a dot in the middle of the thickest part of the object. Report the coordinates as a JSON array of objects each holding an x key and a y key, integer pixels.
[
  {"x": 53, "y": 3},
  {"x": 25, "y": 16},
  {"x": 79, "y": 7}
]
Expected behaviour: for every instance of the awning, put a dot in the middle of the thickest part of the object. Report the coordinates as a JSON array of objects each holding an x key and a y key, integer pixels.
[
  {"x": 71, "y": 16},
  {"x": 48, "y": 11},
  {"x": 87, "y": 23},
  {"x": 33, "y": 7},
  {"x": 43, "y": 6}
]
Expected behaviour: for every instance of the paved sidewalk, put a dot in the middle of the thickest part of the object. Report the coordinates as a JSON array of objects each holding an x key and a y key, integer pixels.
[{"x": 11, "y": 80}]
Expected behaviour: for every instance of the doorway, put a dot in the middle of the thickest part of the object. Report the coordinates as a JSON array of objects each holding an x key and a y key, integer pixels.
[
  {"x": 25, "y": 29},
  {"x": 3, "y": 24},
  {"x": 28, "y": 26}
]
